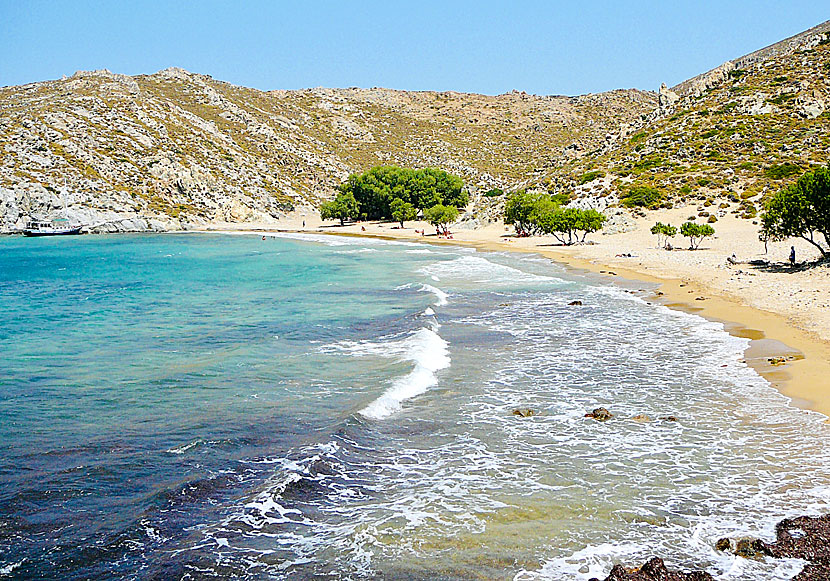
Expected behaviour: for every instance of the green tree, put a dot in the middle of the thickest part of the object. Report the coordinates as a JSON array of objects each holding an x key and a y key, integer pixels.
[
  {"x": 801, "y": 210},
  {"x": 343, "y": 207},
  {"x": 696, "y": 233},
  {"x": 663, "y": 232},
  {"x": 566, "y": 224},
  {"x": 519, "y": 208},
  {"x": 376, "y": 188},
  {"x": 589, "y": 221},
  {"x": 402, "y": 211},
  {"x": 441, "y": 216}
]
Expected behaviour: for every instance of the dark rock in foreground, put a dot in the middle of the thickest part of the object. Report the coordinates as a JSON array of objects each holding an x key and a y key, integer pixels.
[
  {"x": 654, "y": 570},
  {"x": 804, "y": 537}
]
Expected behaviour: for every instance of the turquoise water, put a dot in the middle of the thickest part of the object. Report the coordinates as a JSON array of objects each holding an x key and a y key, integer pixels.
[{"x": 193, "y": 406}]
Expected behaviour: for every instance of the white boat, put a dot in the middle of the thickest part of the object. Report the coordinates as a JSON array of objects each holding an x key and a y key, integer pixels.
[{"x": 57, "y": 227}]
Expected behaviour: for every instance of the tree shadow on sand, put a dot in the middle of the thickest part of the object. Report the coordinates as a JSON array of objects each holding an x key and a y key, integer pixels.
[{"x": 786, "y": 267}]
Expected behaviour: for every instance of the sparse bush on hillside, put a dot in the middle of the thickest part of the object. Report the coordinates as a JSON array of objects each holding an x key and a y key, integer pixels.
[
  {"x": 801, "y": 210},
  {"x": 590, "y": 176},
  {"x": 643, "y": 197},
  {"x": 782, "y": 171},
  {"x": 494, "y": 193}
]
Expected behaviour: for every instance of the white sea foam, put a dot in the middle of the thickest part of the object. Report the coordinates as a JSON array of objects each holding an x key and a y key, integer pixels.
[
  {"x": 441, "y": 295},
  {"x": 428, "y": 351},
  {"x": 480, "y": 271},
  {"x": 8, "y": 569}
]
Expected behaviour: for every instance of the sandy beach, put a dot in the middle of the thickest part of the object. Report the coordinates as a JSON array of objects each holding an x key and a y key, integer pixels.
[{"x": 784, "y": 310}]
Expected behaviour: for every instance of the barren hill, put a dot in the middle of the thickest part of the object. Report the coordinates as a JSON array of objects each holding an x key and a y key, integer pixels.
[{"x": 178, "y": 150}]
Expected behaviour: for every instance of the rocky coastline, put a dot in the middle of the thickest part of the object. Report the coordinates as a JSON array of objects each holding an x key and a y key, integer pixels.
[{"x": 803, "y": 537}]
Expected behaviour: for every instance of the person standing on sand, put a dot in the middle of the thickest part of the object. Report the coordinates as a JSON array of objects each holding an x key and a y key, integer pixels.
[{"x": 792, "y": 255}]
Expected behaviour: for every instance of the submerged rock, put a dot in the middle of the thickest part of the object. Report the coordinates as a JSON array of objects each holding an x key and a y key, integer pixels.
[
  {"x": 654, "y": 570},
  {"x": 749, "y": 548},
  {"x": 575, "y": 304},
  {"x": 600, "y": 414},
  {"x": 642, "y": 418},
  {"x": 524, "y": 412},
  {"x": 669, "y": 419}
]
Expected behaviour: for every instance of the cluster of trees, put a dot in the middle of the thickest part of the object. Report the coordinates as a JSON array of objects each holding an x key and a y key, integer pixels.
[
  {"x": 538, "y": 213},
  {"x": 801, "y": 210},
  {"x": 694, "y": 232},
  {"x": 394, "y": 193}
]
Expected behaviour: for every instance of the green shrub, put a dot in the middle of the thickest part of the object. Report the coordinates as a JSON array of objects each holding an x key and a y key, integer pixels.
[
  {"x": 782, "y": 99},
  {"x": 494, "y": 193},
  {"x": 782, "y": 171},
  {"x": 642, "y": 197},
  {"x": 637, "y": 137},
  {"x": 590, "y": 176}
]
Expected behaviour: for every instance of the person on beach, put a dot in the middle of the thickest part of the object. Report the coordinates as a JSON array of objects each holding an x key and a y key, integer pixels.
[{"x": 792, "y": 255}]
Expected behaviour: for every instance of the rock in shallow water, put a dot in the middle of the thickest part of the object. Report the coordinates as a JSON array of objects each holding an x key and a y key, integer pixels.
[
  {"x": 654, "y": 570},
  {"x": 600, "y": 414}
]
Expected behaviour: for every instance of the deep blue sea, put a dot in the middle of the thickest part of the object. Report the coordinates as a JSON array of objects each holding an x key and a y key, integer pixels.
[{"x": 192, "y": 406}]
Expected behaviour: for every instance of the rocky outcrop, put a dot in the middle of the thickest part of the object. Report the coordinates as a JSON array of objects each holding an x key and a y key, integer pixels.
[{"x": 654, "y": 570}]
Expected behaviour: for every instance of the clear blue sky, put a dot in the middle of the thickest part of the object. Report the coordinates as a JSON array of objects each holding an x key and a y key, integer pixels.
[{"x": 571, "y": 47}]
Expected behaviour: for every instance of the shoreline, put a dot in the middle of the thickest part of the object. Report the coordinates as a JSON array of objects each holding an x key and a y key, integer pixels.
[{"x": 802, "y": 378}]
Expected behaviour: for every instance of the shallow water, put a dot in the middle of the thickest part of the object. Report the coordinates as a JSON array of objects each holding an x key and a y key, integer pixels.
[{"x": 305, "y": 406}]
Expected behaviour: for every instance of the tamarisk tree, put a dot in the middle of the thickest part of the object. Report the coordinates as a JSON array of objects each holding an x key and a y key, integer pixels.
[
  {"x": 663, "y": 232},
  {"x": 801, "y": 210},
  {"x": 696, "y": 233}
]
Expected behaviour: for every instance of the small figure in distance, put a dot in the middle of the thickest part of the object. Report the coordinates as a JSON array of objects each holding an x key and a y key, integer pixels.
[
  {"x": 792, "y": 255},
  {"x": 732, "y": 259}
]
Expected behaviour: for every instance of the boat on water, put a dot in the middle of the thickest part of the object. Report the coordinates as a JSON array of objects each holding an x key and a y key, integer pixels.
[{"x": 57, "y": 227}]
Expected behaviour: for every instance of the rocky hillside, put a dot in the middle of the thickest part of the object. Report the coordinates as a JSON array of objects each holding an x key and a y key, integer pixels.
[
  {"x": 179, "y": 150},
  {"x": 724, "y": 139}
]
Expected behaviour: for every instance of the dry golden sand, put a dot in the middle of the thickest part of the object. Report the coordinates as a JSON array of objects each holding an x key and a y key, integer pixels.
[{"x": 784, "y": 311}]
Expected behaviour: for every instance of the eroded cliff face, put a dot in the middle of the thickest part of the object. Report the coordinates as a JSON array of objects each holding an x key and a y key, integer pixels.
[{"x": 177, "y": 150}]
